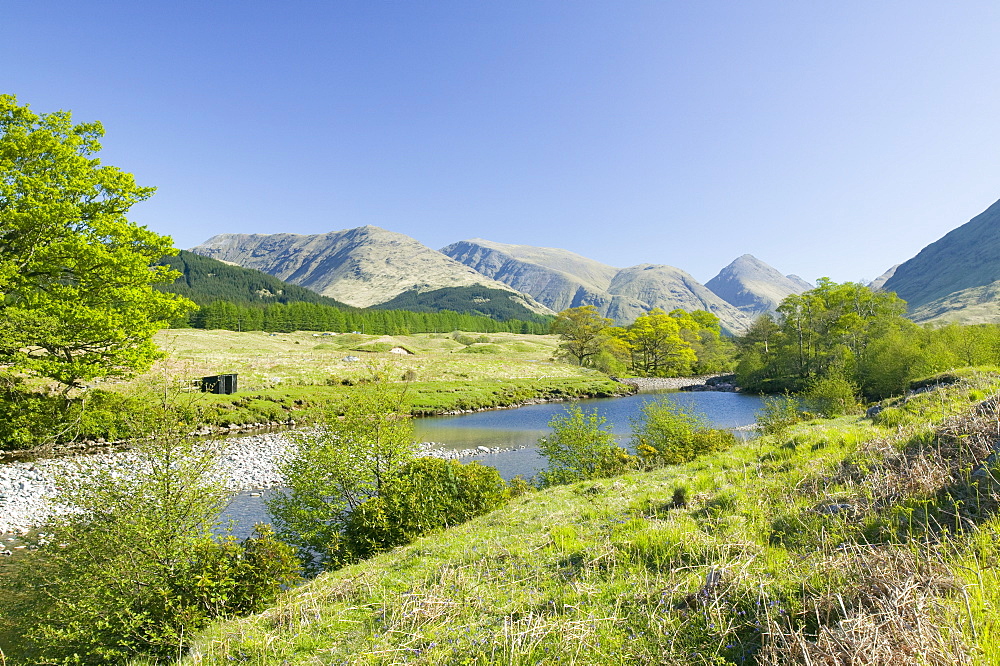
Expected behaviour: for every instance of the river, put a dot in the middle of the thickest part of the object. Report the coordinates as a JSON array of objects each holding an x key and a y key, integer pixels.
[{"x": 519, "y": 430}]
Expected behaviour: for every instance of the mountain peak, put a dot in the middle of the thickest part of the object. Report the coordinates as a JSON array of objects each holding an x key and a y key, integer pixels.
[{"x": 754, "y": 286}]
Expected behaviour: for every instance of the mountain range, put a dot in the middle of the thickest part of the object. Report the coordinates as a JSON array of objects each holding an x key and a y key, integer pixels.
[
  {"x": 955, "y": 278},
  {"x": 373, "y": 267},
  {"x": 362, "y": 267},
  {"x": 561, "y": 279}
]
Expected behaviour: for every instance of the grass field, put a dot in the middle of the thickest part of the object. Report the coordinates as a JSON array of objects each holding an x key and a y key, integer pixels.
[
  {"x": 283, "y": 376},
  {"x": 266, "y": 360}
]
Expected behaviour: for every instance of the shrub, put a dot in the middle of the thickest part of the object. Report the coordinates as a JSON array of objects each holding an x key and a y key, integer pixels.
[
  {"x": 30, "y": 418},
  {"x": 132, "y": 570},
  {"x": 778, "y": 414},
  {"x": 427, "y": 495},
  {"x": 579, "y": 448},
  {"x": 666, "y": 434},
  {"x": 359, "y": 446},
  {"x": 831, "y": 396}
]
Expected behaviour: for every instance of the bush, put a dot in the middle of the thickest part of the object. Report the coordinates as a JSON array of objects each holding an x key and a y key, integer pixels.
[
  {"x": 831, "y": 396},
  {"x": 357, "y": 449},
  {"x": 779, "y": 413},
  {"x": 427, "y": 495},
  {"x": 666, "y": 434},
  {"x": 30, "y": 418},
  {"x": 226, "y": 577},
  {"x": 34, "y": 419},
  {"x": 581, "y": 448},
  {"x": 133, "y": 571}
]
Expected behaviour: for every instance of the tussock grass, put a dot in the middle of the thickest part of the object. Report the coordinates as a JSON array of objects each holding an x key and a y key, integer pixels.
[{"x": 842, "y": 542}]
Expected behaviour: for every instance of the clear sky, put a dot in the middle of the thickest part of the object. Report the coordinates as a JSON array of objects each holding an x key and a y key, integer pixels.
[{"x": 825, "y": 138}]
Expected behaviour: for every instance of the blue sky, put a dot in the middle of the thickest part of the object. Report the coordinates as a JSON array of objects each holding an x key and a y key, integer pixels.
[{"x": 827, "y": 139}]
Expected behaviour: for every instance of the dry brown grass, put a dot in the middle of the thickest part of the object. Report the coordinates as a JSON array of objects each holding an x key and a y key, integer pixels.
[{"x": 890, "y": 613}]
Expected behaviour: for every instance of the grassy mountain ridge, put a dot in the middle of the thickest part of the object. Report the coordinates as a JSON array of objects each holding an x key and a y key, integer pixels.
[
  {"x": 498, "y": 304},
  {"x": 965, "y": 258}
]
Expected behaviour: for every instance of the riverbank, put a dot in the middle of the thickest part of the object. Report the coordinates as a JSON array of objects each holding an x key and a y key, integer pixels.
[
  {"x": 674, "y": 383},
  {"x": 244, "y": 463}
]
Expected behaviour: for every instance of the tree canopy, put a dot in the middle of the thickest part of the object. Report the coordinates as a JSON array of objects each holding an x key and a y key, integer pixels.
[
  {"x": 850, "y": 332},
  {"x": 76, "y": 295},
  {"x": 583, "y": 331},
  {"x": 656, "y": 344}
]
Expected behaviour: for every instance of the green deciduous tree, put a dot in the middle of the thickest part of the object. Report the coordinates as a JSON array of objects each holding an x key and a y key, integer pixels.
[
  {"x": 835, "y": 330},
  {"x": 656, "y": 345},
  {"x": 76, "y": 295},
  {"x": 584, "y": 333},
  {"x": 581, "y": 447}
]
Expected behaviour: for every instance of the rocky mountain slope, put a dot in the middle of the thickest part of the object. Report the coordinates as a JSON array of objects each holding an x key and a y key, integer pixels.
[
  {"x": 637, "y": 289},
  {"x": 558, "y": 278},
  {"x": 561, "y": 279},
  {"x": 753, "y": 286},
  {"x": 954, "y": 273},
  {"x": 361, "y": 267},
  {"x": 880, "y": 281}
]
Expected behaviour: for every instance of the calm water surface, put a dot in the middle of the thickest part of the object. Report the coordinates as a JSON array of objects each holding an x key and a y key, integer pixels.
[{"x": 521, "y": 427}]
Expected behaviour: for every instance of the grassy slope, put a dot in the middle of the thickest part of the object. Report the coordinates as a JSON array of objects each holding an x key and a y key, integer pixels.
[{"x": 755, "y": 567}]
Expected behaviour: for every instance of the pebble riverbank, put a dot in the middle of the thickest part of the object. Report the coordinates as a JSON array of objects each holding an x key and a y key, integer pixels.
[
  {"x": 665, "y": 383},
  {"x": 244, "y": 463}
]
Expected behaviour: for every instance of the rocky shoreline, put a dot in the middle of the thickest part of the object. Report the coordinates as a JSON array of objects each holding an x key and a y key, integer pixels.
[
  {"x": 244, "y": 463},
  {"x": 723, "y": 382}
]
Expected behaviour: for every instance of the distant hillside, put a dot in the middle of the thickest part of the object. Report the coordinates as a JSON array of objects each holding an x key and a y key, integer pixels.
[
  {"x": 361, "y": 267},
  {"x": 498, "y": 304},
  {"x": 561, "y": 279},
  {"x": 753, "y": 286},
  {"x": 558, "y": 278},
  {"x": 638, "y": 289},
  {"x": 975, "y": 305},
  {"x": 954, "y": 272},
  {"x": 206, "y": 280}
]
